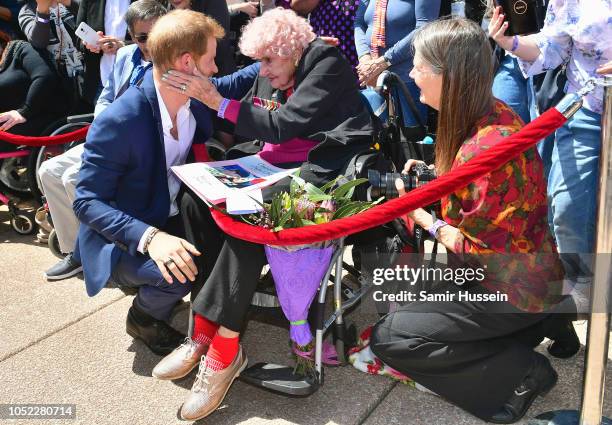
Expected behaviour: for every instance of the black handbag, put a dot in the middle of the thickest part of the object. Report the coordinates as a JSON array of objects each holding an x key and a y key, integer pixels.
[{"x": 550, "y": 87}]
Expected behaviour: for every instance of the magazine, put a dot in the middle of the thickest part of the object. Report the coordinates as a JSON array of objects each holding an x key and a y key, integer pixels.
[{"x": 237, "y": 182}]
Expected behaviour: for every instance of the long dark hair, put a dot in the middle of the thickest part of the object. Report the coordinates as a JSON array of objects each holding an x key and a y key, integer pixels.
[{"x": 459, "y": 50}]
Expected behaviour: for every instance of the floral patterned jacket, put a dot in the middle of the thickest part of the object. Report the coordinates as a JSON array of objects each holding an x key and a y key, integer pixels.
[{"x": 503, "y": 216}]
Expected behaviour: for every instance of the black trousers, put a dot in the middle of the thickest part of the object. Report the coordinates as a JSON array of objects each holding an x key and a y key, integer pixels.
[
  {"x": 474, "y": 354},
  {"x": 229, "y": 268}
]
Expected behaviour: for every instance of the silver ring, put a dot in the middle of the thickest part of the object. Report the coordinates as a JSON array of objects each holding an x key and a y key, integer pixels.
[
  {"x": 168, "y": 262},
  {"x": 183, "y": 87}
]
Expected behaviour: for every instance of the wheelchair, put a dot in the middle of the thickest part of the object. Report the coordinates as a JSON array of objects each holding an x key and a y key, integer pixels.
[{"x": 392, "y": 146}]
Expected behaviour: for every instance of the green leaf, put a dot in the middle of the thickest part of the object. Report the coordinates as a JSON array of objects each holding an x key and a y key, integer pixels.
[
  {"x": 311, "y": 189},
  {"x": 329, "y": 184},
  {"x": 308, "y": 222},
  {"x": 319, "y": 198},
  {"x": 300, "y": 181},
  {"x": 343, "y": 190},
  {"x": 284, "y": 218}
]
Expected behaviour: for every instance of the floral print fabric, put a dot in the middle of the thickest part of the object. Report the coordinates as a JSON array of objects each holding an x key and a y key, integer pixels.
[{"x": 503, "y": 216}]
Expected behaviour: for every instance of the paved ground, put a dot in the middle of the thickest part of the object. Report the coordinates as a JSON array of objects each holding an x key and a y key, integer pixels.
[{"x": 59, "y": 346}]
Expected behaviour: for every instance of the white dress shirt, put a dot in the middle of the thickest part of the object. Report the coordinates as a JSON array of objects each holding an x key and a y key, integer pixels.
[
  {"x": 176, "y": 150},
  {"x": 114, "y": 25}
]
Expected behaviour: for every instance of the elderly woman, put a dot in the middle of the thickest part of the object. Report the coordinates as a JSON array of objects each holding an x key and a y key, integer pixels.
[{"x": 294, "y": 108}]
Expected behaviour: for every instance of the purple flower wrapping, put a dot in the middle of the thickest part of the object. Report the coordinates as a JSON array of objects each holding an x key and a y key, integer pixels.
[{"x": 297, "y": 275}]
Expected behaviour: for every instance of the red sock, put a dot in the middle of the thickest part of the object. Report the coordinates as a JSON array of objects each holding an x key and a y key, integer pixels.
[
  {"x": 222, "y": 352},
  {"x": 203, "y": 330}
]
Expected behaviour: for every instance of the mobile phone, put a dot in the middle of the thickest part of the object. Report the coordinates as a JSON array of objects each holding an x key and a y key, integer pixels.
[
  {"x": 87, "y": 34},
  {"x": 522, "y": 16}
]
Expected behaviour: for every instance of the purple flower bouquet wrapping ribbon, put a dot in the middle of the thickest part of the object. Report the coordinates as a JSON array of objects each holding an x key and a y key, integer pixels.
[{"x": 297, "y": 275}]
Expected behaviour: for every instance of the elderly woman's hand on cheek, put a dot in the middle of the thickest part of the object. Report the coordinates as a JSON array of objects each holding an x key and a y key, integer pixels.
[{"x": 196, "y": 86}]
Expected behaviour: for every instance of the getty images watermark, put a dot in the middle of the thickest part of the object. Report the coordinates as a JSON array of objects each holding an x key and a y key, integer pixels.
[{"x": 405, "y": 275}]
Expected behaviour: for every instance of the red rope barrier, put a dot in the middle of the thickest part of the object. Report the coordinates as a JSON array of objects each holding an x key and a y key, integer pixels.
[
  {"x": 46, "y": 140},
  {"x": 444, "y": 185}
]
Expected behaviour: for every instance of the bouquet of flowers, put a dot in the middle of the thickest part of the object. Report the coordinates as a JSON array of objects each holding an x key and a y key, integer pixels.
[{"x": 298, "y": 270}]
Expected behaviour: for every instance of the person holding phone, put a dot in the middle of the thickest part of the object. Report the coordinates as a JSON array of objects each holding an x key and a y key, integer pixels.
[
  {"x": 106, "y": 18},
  {"x": 578, "y": 34}
]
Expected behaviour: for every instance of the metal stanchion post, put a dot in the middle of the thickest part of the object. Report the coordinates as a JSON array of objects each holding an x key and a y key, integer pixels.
[{"x": 598, "y": 333}]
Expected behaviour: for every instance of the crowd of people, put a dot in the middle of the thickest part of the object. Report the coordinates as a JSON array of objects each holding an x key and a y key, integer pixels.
[{"x": 164, "y": 77}]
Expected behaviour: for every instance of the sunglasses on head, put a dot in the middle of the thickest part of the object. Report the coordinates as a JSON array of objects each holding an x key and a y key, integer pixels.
[{"x": 141, "y": 38}]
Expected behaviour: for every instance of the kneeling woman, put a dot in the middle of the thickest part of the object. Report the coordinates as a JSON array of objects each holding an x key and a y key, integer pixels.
[
  {"x": 306, "y": 106},
  {"x": 478, "y": 354}
]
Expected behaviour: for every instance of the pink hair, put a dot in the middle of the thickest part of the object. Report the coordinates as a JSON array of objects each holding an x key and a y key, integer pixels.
[{"x": 279, "y": 31}]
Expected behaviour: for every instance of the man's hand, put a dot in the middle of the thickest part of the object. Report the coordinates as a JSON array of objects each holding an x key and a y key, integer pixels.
[
  {"x": 251, "y": 8},
  {"x": 173, "y": 255},
  {"x": 94, "y": 48},
  {"x": 331, "y": 41},
  {"x": 109, "y": 44},
  {"x": 9, "y": 119},
  {"x": 66, "y": 3}
]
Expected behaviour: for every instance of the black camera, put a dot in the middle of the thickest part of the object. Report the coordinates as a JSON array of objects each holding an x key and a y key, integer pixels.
[
  {"x": 384, "y": 184},
  {"x": 523, "y": 16}
]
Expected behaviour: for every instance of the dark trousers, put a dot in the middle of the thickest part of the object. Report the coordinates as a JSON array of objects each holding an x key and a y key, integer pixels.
[
  {"x": 155, "y": 297},
  {"x": 474, "y": 354},
  {"x": 229, "y": 268}
]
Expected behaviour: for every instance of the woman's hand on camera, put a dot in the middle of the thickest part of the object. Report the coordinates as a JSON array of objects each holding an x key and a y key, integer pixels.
[
  {"x": 173, "y": 255},
  {"x": 10, "y": 119},
  {"x": 196, "y": 86},
  {"x": 412, "y": 162},
  {"x": 419, "y": 216},
  {"x": 497, "y": 28}
]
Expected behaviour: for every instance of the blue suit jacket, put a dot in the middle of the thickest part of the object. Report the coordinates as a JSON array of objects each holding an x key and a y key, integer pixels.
[{"x": 123, "y": 184}]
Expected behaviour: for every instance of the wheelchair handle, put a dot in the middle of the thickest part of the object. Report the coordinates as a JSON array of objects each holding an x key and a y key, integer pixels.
[{"x": 77, "y": 119}]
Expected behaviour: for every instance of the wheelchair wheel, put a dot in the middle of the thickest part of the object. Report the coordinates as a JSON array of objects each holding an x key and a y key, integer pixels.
[
  {"x": 54, "y": 245},
  {"x": 23, "y": 224},
  {"x": 43, "y": 153},
  {"x": 14, "y": 175}
]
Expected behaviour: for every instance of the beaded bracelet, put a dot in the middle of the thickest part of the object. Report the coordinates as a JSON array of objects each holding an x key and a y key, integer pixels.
[{"x": 145, "y": 247}]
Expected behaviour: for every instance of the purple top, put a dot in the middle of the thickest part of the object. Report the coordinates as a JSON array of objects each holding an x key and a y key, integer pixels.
[
  {"x": 335, "y": 18},
  {"x": 294, "y": 150}
]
